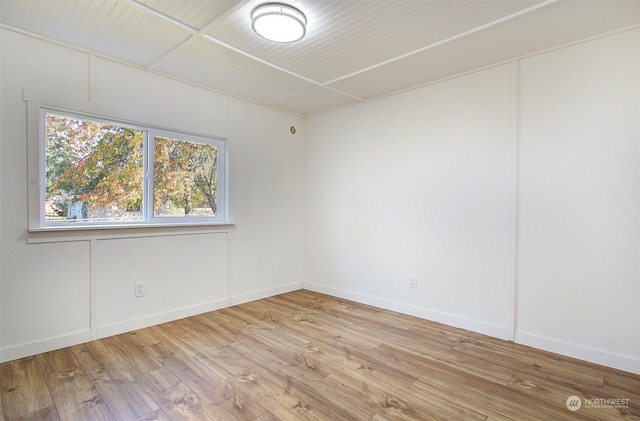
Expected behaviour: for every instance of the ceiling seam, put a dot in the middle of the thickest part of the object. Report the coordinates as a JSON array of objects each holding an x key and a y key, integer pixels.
[
  {"x": 447, "y": 40},
  {"x": 259, "y": 60},
  {"x": 167, "y": 55},
  {"x": 302, "y": 91},
  {"x": 284, "y": 70},
  {"x": 153, "y": 12},
  {"x": 483, "y": 68},
  {"x": 199, "y": 34},
  {"x": 139, "y": 67}
]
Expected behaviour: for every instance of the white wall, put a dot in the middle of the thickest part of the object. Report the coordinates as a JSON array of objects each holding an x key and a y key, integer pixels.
[
  {"x": 56, "y": 292},
  {"x": 267, "y": 199},
  {"x": 417, "y": 183},
  {"x": 579, "y": 201},
  {"x": 512, "y": 193}
]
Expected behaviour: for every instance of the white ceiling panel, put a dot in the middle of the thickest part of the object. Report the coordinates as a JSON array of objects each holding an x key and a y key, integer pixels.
[
  {"x": 515, "y": 38},
  {"x": 110, "y": 28},
  {"x": 313, "y": 101},
  {"x": 196, "y": 14},
  {"x": 354, "y": 49},
  {"x": 349, "y": 36},
  {"x": 206, "y": 63}
]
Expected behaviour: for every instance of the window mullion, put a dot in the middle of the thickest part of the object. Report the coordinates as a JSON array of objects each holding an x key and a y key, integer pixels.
[{"x": 148, "y": 175}]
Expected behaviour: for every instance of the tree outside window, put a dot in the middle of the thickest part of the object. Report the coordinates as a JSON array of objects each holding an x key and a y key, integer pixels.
[{"x": 95, "y": 173}]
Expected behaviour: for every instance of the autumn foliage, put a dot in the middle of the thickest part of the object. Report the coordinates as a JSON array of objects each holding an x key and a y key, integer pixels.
[{"x": 101, "y": 166}]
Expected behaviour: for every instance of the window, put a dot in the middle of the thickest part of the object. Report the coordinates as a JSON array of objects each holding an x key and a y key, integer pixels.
[
  {"x": 185, "y": 178},
  {"x": 97, "y": 172}
]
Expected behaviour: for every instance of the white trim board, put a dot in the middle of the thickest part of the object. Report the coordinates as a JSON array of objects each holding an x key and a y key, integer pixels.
[
  {"x": 104, "y": 331},
  {"x": 50, "y": 344},
  {"x": 500, "y": 332},
  {"x": 264, "y": 293},
  {"x": 581, "y": 352},
  {"x": 578, "y": 351},
  {"x": 159, "y": 318}
]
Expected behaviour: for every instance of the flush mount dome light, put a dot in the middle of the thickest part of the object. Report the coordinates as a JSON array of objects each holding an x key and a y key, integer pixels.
[{"x": 279, "y": 22}]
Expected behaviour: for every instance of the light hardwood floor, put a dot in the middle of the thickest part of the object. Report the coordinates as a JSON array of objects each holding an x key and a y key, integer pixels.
[{"x": 308, "y": 356}]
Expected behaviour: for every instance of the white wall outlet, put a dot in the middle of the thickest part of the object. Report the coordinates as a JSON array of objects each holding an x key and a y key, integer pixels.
[
  {"x": 141, "y": 289},
  {"x": 413, "y": 281}
]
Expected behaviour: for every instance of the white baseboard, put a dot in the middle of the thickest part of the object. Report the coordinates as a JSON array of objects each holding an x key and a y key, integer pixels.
[
  {"x": 581, "y": 352},
  {"x": 45, "y": 345},
  {"x": 264, "y": 293},
  {"x": 158, "y": 318},
  {"x": 75, "y": 338},
  {"x": 500, "y": 332}
]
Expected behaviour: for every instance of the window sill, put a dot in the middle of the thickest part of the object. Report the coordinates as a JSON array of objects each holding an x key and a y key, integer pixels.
[{"x": 55, "y": 234}]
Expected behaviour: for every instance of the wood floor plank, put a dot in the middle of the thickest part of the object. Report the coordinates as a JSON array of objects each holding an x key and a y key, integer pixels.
[
  {"x": 131, "y": 354},
  {"x": 207, "y": 353},
  {"x": 302, "y": 312},
  {"x": 371, "y": 370},
  {"x": 297, "y": 389},
  {"x": 74, "y": 394},
  {"x": 175, "y": 398},
  {"x": 308, "y": 356},
  {"x": 337, "y": 333},
  {"x": 45, "y": 414},
  {"x": 498, "y": 401},
  {"x": 57, "y": 361},
  {"x": 425, "y": 361},
  {"x": 146, "y": 337},
  {"x": 620, "y": 384},
  {"x": 212, "y": 318},
  {"x": 122, "y": 393},
  {"x": 158, "y": 415},
  {"x": 206, "y": 384},
  {"x": 497, "y": 366},
  {"x": 258, "y": 379},
  {"x": 321, "y": 399},
  {"x": 393, "y": 403},
  {"x": 555, "y": 393},
  {"x": 24, "y": 389},
  {"x": 76, "y": 397},
  {"x": 443, "y": 337},
  {"x": 1, "y": 404},
  {"x": 563, "y": 366},
  {"x": 194, "y": 326}
]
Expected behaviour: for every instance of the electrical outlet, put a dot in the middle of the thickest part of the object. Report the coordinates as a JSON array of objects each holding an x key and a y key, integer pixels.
[
  {"x": 413, "y": 281},
  {"x": 141, "y": 289}
]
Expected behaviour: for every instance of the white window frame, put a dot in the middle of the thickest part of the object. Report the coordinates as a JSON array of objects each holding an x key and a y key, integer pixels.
[
  {"x": 149, "y": 205},
  {"x": 37, "y": 174}
]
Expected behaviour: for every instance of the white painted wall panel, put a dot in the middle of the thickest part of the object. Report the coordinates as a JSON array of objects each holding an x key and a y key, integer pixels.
[
  {"x": 45, "y": 288},
  {"x": 344, "y": 209},
  {"x": 45, "y": 293},
  {"x": 579, "y": 198},
  {"x": 148, "y": 97},
  {"x": 182, "y": 273},
  {"x": 417, "y": 183},
  {"x": 448, "y": 196},
  {"x": 266, "y": 191},
  {"x": 56, "y": 73}
]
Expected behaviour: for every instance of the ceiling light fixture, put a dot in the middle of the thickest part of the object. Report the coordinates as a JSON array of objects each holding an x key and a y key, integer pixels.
[{"x": 279, "y": 22}]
